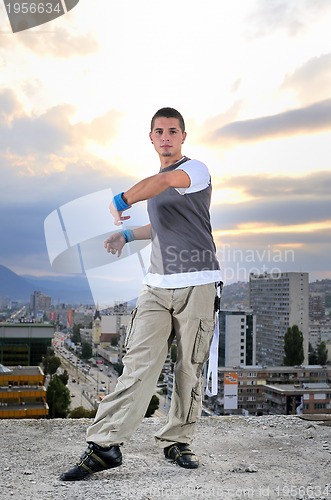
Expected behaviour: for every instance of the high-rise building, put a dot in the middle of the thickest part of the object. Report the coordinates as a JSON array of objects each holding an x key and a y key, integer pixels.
[
  {"x": 279, "y": 301},
  {"x": 237, "y": 342},
  {"x": 39, "y": 303}
]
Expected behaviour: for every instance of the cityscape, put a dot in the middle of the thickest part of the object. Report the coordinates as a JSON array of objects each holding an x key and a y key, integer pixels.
[{"x": 253, "y": 379}]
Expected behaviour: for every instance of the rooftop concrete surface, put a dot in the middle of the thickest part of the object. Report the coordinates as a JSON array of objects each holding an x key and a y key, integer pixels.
[{"x": 275, "y": 457}]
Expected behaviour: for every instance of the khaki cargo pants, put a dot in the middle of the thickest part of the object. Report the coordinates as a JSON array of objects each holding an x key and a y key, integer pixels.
[{"x": 160, "y": 315}]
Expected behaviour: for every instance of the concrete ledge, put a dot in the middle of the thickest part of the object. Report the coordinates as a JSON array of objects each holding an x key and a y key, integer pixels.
[{"x": 275, "y": 457}]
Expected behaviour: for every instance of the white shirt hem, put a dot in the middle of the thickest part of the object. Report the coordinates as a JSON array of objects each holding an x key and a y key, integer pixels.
[{"x": 182, "y": 280}]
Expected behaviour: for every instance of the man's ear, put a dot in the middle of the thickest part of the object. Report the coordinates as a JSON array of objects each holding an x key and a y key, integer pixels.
[
  {"x": 184, "y": 137},
  {"x": 150, "y": 136}
]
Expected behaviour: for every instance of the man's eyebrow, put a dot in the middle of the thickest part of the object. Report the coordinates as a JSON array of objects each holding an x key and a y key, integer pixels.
[{"x": 170, "y": 128}]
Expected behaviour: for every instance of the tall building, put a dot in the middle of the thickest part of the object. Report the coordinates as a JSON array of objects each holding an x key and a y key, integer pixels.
[
  {"x": 39, "y": 303},
  {"x": 316, "y": 306},
  {"x": 24, "y": 344},
  {"x": 237, "y": 342},
  {"x": 279, "y": 301}
]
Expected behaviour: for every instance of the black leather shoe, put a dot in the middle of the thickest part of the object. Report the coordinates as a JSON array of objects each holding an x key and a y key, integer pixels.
[
  {"x": 94, "y": 459},
  {"x": 181, "y": 454}
]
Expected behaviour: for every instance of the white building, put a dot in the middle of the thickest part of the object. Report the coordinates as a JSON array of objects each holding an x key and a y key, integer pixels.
[{"x": 237, "y": 343}]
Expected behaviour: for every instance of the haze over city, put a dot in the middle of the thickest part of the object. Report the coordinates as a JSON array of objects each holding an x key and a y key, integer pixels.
[{"x": 252, "y": 81}]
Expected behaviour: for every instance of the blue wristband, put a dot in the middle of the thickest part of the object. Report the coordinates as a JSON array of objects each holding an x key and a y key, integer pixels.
[
  {"x": 128, "y": 235},
  {"x": 119, "y": 203}
]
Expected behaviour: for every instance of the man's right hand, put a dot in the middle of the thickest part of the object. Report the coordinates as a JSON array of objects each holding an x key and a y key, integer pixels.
[{"x": 115, "y": 243}]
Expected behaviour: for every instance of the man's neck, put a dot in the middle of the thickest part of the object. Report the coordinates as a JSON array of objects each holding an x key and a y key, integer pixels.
[{"x": 166, "y": 161}]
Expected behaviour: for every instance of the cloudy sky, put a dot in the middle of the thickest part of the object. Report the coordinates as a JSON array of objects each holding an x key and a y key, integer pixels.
[{"x": 253, "y": 81}]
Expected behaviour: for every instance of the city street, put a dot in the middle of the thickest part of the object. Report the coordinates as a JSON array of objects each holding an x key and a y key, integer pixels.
[{"x": 87, "y": 389}]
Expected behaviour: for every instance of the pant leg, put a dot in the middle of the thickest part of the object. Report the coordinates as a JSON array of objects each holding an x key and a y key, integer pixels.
[
  {"x": 120, "y": 412},
  {"x": 193, "y": 322}
]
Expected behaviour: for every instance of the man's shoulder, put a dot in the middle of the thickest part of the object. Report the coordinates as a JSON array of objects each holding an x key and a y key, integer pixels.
[{"x": 193, "y": 163}]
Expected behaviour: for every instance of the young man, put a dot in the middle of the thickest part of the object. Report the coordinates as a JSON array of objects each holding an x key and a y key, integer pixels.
[{"x": 177, "y": 301}]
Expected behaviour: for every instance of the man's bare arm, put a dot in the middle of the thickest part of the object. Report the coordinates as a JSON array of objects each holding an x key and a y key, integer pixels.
[
  {"x": 156, "y": 184},
  {"x": 116, "y": 241}
]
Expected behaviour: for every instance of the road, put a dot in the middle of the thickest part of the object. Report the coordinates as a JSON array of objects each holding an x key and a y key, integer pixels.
[{"x": 85, "y": 391}]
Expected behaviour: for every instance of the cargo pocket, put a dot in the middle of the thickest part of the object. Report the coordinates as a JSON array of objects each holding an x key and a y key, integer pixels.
[
  {"x": 202, "y": 340},
  {"x": 194, "y": 410},
  {"x": 129, "y": 329}
]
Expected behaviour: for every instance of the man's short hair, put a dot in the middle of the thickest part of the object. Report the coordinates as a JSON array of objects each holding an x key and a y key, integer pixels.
[{"x": 169, "y": 113}]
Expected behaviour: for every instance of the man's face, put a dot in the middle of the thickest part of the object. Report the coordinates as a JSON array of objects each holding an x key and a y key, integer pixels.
[{"x": 167, "y": 137}]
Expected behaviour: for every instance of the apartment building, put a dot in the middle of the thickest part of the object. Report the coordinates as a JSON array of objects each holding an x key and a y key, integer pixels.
[
  {"x": 258, "y": 390},
  {"x": 279, "y": 301},
  {"x": 22, "y": 392},
  {"x": 237, "y": 341}
]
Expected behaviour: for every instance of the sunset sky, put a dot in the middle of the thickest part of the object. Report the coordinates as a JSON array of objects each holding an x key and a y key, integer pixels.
[{"x": 252, "y": 79}]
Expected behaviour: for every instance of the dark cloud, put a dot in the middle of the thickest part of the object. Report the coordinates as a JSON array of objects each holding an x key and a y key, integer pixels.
[
  {"x": 316, "y": 185},
  {"x": 276, "y": 212},
  {"x": 307, "y": 120}
]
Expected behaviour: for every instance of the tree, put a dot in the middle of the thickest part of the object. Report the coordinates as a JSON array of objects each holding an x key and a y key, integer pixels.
[
  {"x": 86, "y": 351},
  {"x": 81, "y": 412},
  {"x": 153, "y": 406},
  {"x": 293, "y": 347},
  {"x": 64, "y": 377},
  {"x": 322, "y": 353},
  {"x": 75, "y": 336},
  {"x": 312, "y": 355},
  {"x": 118, "y": 367},
  {"x": 51, "y": 364},
  {"x": 58, "y": 398}
]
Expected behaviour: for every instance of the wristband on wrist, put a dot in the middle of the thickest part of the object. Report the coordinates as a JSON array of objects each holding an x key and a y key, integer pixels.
[
  {"x": 128, "y": 235},
  {"x": 119, "y": 203}
]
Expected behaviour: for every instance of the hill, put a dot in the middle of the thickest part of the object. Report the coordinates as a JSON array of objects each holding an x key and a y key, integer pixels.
[{"x": 67, "y": 289}]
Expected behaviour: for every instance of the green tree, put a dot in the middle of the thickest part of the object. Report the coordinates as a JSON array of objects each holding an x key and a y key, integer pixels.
[
  {"x": 58, "y": 398},
  {"x": 51, "y": 364},
  {"x": 153, "y": 406},
  {"x": 312, "y": 355},
  {"x": 322, "y": 353},
  {"x": 293, "y": 346},
  {"x": 64, "y": 377},
  {"x": 118, "y": 367},
  {"x": 81, "y": 412},
  {"x": 86, "y": 351},
  {"x": 75, "y": 336}
]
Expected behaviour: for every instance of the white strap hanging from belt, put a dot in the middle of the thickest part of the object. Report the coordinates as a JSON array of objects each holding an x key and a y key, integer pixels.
[{"x": 212, "y": 372}]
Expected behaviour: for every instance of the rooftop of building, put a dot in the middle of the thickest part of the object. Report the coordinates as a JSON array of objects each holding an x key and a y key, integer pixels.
[
  {"x": 20, "y": 370},
  {"x": 275, "y": 369},
  {"x": 311, "y": 387},
  {"x": 275, "y": 457}
]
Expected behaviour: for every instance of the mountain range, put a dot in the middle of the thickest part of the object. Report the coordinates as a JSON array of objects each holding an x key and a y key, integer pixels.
[
  {"x": 75, "y": 289},
  {"x": 62, "y": 289}
]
